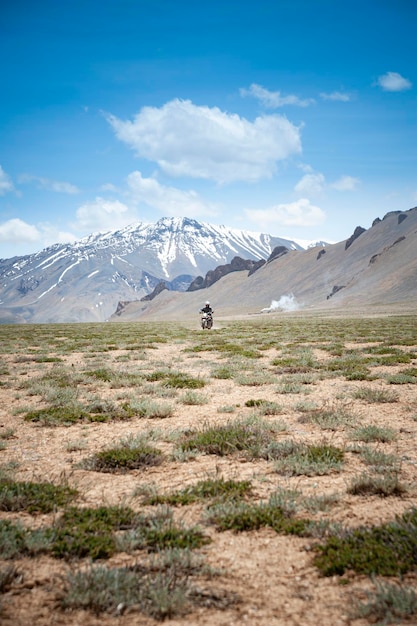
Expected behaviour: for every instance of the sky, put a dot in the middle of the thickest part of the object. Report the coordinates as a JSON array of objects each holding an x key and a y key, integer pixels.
[{"x": 296, "y": 118}]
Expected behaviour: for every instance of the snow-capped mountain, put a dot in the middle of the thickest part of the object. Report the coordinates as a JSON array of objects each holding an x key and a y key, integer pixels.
[{"x": 84, "y": 281}]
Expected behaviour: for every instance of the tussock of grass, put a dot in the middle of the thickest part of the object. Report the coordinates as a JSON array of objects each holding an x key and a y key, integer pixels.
[
  {"x": 151, "y": 408},
  {"x": 332, "y": 417},
  {"x": 265, "y": 407},
  {"x": 101, "y": 589},
  {"x": 374, "y": 433},
  {"x": 401, "y": 379},
  {"x": 389, "y": 603},
  {"x": 297, "y": 459},
  {"x": 193, "y": 398},
  {"x": 177, "y": 380},
  {"x": 241, "y": 435},
  {"x": 384, "y": 485},
  {"x": 379, "y": 460},
  {"x": 242, "y": 517},
  {"x": 209, "y": 489},
  {"x": 370, "y": 395},
  {"x": 162, "y": 588}
]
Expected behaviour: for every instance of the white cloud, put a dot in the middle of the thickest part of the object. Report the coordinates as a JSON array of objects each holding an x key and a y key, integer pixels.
[
  {"x": 346, "y": 183},
  {"x": 299, "y": 213},
  {"x": 17, "y": 231},
  {"x": 337, "y": 96},
  {"x": 101, "y": 215},
  {"x": 310, "y": 184},
  {"x": 167, "y": 200},
  {"x": 203, "y": 142},
  {"x": 392, "y": 81},
  {"x": 49, "y": 185},
  {"x": 274, "y": 99},
  {"x": 6, "y": 184}
]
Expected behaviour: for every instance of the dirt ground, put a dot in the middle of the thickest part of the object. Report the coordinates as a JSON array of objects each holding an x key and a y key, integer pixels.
[{"x": 271, "y": 577}]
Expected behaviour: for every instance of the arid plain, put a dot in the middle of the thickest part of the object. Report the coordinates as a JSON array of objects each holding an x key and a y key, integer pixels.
[{"x": 230, "y": 459}]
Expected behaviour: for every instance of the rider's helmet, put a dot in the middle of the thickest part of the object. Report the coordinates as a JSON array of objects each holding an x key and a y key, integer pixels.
[{"x": 207, "y": 303}]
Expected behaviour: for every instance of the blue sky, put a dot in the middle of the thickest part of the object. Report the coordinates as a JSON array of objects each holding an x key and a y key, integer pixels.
[{"x": 293, "y": 117}]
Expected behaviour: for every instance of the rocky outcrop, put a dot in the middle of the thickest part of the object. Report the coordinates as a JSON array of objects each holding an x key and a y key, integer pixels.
[
  {"x": 236, "y": 265},
  {"x": 335, "y": 289},
  {"x": 356, "y": 233},
  {"x": 159, "y": 287},
  {"x": 277, "y": 252}
]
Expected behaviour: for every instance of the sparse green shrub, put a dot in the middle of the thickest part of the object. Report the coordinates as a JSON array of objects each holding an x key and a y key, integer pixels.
[
  {"x": 34, "y": 497},
  {"x": 241, "y": 517},
  {"x": 386, "y": 550},
  {"x": 89, "y": 532},
  {"x": 58, "y": 415},
  {"x": 264, "y": 407},
  {"x": 123, "y": 458},
  {"x": 223, "y": 372},
  {"x": 12, "y": 540},
  {"x": 103, "y": 374}
]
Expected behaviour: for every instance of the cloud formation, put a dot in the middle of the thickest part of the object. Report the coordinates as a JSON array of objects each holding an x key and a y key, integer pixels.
[
  {"x": 346, "y": 183},
  {"x": 168, "y": 200},
  {"x": 300, "y": 213},
  {"x": 338, "y": 96},
  {"x": 207, "y": 143},
  {"x": 102, "y": 215},
  {"x": 49, "y": 185},
  {"x": 16, "y": 231},
  {"x": 274, "y": 99},
  {"x": 313, "y": 183},
  {"x": 310, "y": 184},
  {"x": 392, "y": 81},
  {"x": 6, "y": 184}
]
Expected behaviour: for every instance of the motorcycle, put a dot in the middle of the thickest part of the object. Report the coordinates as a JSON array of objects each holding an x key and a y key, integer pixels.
[{"x": 206, "y": 320}]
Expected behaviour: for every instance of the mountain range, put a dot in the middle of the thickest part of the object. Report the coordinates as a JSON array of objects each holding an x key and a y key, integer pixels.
[
  {"x": 85, "y": 281},
  {"x": 373, "y": 271},
  {"x": 167, "y": 269}
]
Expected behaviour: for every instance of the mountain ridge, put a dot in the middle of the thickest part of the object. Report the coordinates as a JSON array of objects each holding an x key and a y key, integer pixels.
[{"x": 84, "y": 281}]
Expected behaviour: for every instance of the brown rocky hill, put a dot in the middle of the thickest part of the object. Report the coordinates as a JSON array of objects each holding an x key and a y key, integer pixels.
[{"x": 373, "y": 268}]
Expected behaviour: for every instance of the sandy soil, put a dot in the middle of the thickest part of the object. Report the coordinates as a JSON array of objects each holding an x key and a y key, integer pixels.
[{"x": 271, "y": 577}]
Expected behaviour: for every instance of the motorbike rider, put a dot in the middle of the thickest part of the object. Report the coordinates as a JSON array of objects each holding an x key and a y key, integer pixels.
[{"x": 206, "y": 308}]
